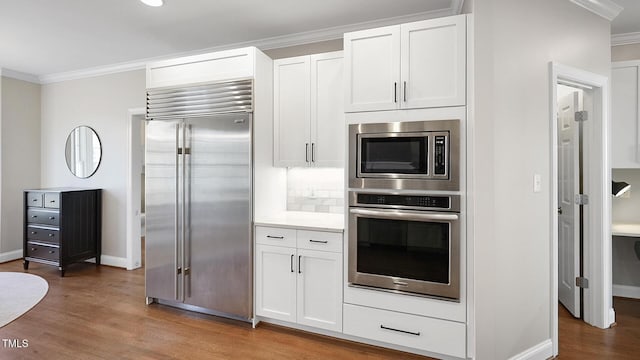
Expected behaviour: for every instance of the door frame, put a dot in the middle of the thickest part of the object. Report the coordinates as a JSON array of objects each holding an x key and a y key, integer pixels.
[
  {"x": 134, "y": 193},
  {"x": 598, "y": 307}
]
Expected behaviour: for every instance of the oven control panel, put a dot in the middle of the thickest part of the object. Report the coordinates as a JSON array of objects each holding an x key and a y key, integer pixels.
[{"x": 444, "y": 202}]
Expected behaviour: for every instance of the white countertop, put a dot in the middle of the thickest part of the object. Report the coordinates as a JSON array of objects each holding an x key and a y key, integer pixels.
[
  {"x": 307, "y": 220},
  {"x": 625, "y": 230}
]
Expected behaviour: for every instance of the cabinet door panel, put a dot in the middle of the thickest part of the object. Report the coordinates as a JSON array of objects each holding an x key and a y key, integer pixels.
[
  {"x": 291, "y": 115},
  {"x": 372, "y": 68},
  {"x": 433, "y": 63},
  {"x": 275, "y": 282},
  {"x": 624, "y": 120},
  {"x": 320, "y": 289},
  {"x": 327, "y": 110}
]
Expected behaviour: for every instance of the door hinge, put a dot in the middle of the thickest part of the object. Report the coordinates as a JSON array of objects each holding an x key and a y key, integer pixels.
[
  {"x": 582, "y": 199},
  {"x": 582, "y": 282},
  {"x": 581, "y": 116}
]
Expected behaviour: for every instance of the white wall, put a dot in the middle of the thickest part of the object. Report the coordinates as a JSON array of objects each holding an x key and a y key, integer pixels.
[
  {"x": 514, "y": 42},
  {"x": 102, "y": 103},
  {"x": 20, "y": 155}
]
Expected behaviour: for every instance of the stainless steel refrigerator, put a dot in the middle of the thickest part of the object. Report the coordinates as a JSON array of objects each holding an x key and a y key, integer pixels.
[{"x": 198, "y": 248}]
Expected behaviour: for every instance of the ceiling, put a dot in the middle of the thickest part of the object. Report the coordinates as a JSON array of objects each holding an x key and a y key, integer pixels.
[{"x": 44, "y": 38}]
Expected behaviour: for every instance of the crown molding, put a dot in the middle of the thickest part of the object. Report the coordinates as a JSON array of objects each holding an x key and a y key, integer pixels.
[
  {"x": 605, "y": 8},
  {"x": 308, "y": 37},
  {"x": 625, "y": 39},
  {"x": 19, "y": 75}
]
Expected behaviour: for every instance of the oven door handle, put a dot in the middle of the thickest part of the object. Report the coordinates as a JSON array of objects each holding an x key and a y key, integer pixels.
[{"x": 404, "y": 215}]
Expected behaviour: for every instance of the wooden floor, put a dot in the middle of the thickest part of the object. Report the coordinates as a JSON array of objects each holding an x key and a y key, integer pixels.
[{"x": 99, "y": 313}]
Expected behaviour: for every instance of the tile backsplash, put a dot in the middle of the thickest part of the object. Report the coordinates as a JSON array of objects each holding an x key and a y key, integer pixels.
[{"x": 315, "y": 190}]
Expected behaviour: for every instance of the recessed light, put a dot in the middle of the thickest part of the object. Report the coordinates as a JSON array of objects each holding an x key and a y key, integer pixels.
[{"x": 154, "y": 3}]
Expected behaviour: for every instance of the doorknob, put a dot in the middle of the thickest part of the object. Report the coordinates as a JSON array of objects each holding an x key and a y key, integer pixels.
[{"x": 559, "y": 210}]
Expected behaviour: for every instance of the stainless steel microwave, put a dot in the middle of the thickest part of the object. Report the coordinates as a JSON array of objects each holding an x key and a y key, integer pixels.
[{"x": 412, "y": 155}]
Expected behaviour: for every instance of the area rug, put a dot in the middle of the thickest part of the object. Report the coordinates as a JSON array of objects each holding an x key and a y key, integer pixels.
[{"x": 19, "y": 292}]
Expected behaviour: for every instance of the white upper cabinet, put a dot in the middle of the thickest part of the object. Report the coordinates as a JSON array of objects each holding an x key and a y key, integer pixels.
[
  {"x": 414, "y": 65},
  {"x": 309, "y": 111},
  {"x": 625, "y": 101}
]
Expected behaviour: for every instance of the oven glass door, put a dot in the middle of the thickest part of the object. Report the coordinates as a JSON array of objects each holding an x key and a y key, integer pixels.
[
  {"x": 401, "y": 154},
  {"x": 405, "y": 250}
]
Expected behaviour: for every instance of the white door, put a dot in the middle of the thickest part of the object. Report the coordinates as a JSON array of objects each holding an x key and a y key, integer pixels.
[
  {"x": 433, "y": 63},
  {"x": 291, "y": 117},
  {"x": 327, "y": 110},
  {"x": 320, "y": 289},
  {"x": 568, "y": 210},
  {"x": 276, "y": 282},
  {"x": 372, "y": 69}
]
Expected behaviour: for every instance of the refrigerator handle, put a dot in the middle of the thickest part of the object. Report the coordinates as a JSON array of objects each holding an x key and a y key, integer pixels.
[
  {"x": 177, "y": 214},
  {"x": 186, "y": 206}
]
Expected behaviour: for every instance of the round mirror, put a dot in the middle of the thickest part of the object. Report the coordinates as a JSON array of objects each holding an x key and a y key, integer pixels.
[{"x": 83, "y": 151}]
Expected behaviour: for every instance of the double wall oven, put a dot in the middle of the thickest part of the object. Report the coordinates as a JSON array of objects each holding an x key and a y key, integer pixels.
[{"x": 404, "y": 207}]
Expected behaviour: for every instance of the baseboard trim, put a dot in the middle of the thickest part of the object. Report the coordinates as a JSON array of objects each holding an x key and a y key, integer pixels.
[
  {"x": 111, "y": 261},
  {"x": 626, "y": 291},
  {"x": 542, "y": 351},
  {"x": 11, "y": 255}
]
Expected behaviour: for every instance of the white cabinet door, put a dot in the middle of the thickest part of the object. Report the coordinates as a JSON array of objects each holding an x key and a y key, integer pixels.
[
  {"x": 433, "y": 62},
  {"x": 276, "y": 282},
  {"x": 327, "y": 110},
  {"x": 625, "y": 99},
  {"x": 291, "y": 96},
  {"x": 372, "y": 69},
  {"x": 320, "y": 289}
]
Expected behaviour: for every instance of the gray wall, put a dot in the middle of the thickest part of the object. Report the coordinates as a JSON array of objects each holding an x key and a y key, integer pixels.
[
  {"x": 514, "y": 42},
  {"x": 102, "y": 103},
  {"x": 20, "y": 155}
]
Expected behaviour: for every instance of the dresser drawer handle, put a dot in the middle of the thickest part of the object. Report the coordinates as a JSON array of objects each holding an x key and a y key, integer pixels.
[
  {"x": 52, "y": 201},
  {"x": 52, "y": 218},
  {"x": 400, "y": 331},
  {"x": 275, "y": 237},
  {"x": 34, "y": 232},
  {"x": 34, "y": 249},
  {"x": 51, "y": 235},
  {"x": 34, "y": 216},
  {"x": 34, "y": 200},
  {"x": 318, "y": 241},
  {"x": 51, "y": 252}
]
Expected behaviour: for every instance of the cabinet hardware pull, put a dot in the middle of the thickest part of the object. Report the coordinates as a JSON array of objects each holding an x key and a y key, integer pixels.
[
  {"x": 395, "y": 92},
  {"x": 306, "y": 152},
  {"x": 275, "y": 237},
  {"x": 34, "y": 216},
  {"x": 33, "y": 249},
  {"x": 34, "y": 232},
  {"x": 51, "y": 235},
  {"x": 51, "y": 252},
  {"x": 51, "y": 218},
  {"x": 292, "y": 263},
  {"x": 34, "y": 200},
  {"x": 405, "y": 91},
  {"x": 313, "y": 152},
  {"x": 299, "y": 267},
  {"x": 401, "y": 331},
  {"x": 318, "y": 241}
]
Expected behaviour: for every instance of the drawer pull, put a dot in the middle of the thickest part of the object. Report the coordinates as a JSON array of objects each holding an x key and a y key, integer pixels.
[
  {"x": 275, "y": 237},
  {"x": 34, "y": 216},
  {"x": 52, "y": 201},
  {"x": 52, "y": 218},
  {"x": 34, "y": 249},
  {"x": 34, "y": 232},
  {"x": 34, "y": 200},
  {"x": 51, "y": 235},
  {"x": 51, "y": 252},
  {"x": 318, "y": 241},
  {"x": 401, "y": 331}
]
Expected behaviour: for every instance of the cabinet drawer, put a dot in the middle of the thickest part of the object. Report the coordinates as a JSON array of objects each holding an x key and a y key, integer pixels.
[
  {"x": 319, "y": 240},
  {"x": 435, "y": 335},
  {"x": 275, "y": 236},
  {"x": 43, "y": 252},
  {"x": 34, "y": 199},
  {"x": 43, "y": 234},
  {"x": 52, "y": 200},
  {"x": 39, "y": 216}
]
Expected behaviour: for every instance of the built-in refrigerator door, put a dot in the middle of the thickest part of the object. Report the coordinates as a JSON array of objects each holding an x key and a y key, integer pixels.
[
  {"x": 162, "y": 208},
  {"x": 218, "y": 238}
]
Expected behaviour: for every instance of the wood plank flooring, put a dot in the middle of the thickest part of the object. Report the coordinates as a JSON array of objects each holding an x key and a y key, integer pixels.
[{"x": 99, "y": 313}]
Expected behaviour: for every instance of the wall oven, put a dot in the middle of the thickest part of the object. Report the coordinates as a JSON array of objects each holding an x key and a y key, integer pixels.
[
  {"x": 405, "y": 243},
  {"x": 412, "y": 155}
]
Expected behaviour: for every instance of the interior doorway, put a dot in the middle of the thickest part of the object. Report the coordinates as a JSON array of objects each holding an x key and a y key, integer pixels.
[
  {"x": 596, "y": 304},
  {"x": 135, "y": 188}
]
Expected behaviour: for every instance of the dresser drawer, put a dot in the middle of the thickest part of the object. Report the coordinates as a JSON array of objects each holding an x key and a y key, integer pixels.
[
  {"x": 418, "y": 332},
  {"x": 275, "y": 236},
  {"x": 39, "y": 216},
  {"x": 43, "y": 252},
  {"x": 44, "y": 234},
  {"x": 52, "y": 200},
  {"x": 319, "y": 240},
  {"x": 34, "y": 199}
]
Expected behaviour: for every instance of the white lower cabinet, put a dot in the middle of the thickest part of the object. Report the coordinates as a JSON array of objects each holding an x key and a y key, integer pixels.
[
  {"x": 418, "y": 332},
  {"x": 301, "y": 283}
]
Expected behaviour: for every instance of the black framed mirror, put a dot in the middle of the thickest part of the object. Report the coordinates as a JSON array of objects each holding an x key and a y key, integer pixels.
[{"x": 83, "y": 151}]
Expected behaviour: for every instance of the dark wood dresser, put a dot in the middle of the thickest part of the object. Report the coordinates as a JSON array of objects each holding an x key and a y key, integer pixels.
[{"x": 62, "y": 226}]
